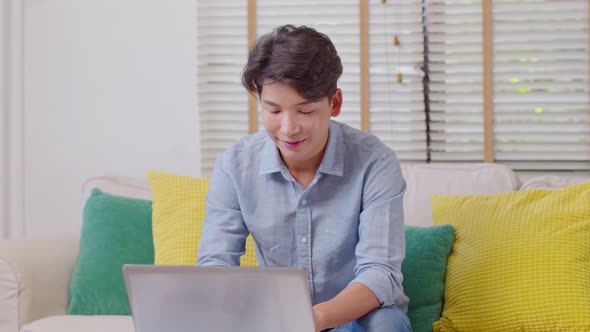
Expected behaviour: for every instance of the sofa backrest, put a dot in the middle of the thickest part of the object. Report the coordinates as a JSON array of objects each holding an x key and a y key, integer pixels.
[
  {"x": 425, "y": 180},
  {"x": 554, "y": 181}
]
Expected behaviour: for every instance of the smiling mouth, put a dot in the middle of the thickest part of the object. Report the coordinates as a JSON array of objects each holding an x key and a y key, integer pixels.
[{"x": 293, "y": 144}]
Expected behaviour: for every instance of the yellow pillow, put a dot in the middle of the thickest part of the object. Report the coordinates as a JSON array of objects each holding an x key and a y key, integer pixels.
[
  {"x": 520, "y": 261},
  {"x": 178, "y": 210}
]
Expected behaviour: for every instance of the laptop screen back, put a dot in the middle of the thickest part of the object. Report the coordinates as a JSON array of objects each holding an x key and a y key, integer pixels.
[{"x": 218, "y": 299}]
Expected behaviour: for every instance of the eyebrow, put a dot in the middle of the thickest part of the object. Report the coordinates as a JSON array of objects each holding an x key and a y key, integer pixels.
[{"x": 306, "y": 102}]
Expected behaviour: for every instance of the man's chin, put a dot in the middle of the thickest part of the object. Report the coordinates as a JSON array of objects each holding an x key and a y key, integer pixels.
[{"x": 291, "y": 155}]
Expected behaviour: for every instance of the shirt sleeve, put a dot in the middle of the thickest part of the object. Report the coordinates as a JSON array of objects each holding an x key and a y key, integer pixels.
[
  {"x": 223, "y": 238},
  {"x": 381, "y": 247}
]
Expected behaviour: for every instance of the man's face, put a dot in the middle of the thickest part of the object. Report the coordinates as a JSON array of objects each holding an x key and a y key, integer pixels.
[{"x": 298, "y": 127}]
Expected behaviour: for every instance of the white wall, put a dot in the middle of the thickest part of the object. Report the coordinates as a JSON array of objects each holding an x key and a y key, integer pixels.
[
  {"x": 3, "y": 110},
  {"x": 109, "y": 88},
  {"x": 12, "y": 148}
]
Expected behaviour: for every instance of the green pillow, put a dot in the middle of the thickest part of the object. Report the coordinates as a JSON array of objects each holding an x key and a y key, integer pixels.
[
  {"x": 427, "y": 250},
  {"x": 115, "y": 231}
]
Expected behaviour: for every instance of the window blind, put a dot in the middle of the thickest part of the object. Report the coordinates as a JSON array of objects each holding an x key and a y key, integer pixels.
[
  {"x": 540, "y": 75},
  {"x": 541, "y": 83},
  {"x": 456, "y": 77},
  {"x": 222, "y": 54},
  {"x": 396, "y": 109}
]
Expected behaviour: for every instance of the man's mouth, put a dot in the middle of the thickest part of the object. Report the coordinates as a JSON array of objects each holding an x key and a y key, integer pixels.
[{"x": 293, "y": 144}]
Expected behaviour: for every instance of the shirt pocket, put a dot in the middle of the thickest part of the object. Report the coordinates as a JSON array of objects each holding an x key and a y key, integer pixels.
[{"x": 338, "y": 242}]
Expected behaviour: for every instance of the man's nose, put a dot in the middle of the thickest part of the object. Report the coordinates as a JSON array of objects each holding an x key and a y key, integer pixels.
[{"x": 289, "y": 125}]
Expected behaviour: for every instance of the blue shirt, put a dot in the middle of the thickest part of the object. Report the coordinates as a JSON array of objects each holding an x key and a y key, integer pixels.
[{"x": 347, "y": 226}]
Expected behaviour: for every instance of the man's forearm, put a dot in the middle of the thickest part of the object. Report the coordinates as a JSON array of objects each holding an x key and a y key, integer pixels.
[{"x": 353, "y": 302}]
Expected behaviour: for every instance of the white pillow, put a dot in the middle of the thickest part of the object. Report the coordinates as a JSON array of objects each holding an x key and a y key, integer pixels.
[
  {"x": 133, "y": 187},
  {"x": 553, "y": 181},
  {"x": 425, "y": 180}
]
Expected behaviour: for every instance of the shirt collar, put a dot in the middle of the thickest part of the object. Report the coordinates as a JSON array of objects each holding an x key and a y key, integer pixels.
[
  {"x": 271, "y": 161},
  {"x": 332, "y": 162}
]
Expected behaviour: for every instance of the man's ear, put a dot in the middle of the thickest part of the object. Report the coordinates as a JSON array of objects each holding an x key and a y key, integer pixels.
[{"x": 336, "y": 103}]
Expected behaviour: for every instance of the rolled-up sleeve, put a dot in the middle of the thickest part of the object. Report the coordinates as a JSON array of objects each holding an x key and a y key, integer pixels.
[
  {"x": 224, "y": 233},
  {"x": 381, "y": 247}
]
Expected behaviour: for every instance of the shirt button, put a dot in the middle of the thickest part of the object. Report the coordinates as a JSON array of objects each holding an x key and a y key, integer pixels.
[
  {"x": 304, "y": 202},
  {"x": 304, "y": 240}
]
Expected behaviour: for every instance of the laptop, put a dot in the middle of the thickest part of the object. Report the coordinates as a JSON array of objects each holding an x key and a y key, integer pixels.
[{"x": 218, "y": 299}]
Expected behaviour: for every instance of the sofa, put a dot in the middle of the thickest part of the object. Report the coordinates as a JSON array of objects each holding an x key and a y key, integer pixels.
[{"x": 35, "y": 273}]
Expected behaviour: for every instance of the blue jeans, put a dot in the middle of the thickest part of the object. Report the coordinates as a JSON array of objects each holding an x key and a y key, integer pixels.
[{"x": 385, "y": 319}]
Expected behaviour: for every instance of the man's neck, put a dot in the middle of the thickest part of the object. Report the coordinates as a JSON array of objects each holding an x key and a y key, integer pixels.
[{"x": 304, "y": 171}]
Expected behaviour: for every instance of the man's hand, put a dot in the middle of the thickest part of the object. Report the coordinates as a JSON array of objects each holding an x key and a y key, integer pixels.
[{"x": 355, "y": 301}]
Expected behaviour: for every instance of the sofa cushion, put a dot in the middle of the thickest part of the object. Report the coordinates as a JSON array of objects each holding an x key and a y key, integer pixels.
[
  {"x": 427, "y": 249},
  {"x": 81, "y": 323},
  {"x": 178, "y": 213},
  {"x": 425, "y": 180},
  {"x": 115, "y": 231},
  {"x": 520, "y": 261}
]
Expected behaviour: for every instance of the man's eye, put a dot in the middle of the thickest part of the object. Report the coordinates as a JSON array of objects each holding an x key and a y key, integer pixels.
[
  {"x": 273, "y": 111},
  {"x": 306, "y": 112}
]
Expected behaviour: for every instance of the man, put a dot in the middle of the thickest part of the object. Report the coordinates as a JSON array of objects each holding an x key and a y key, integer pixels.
[{"x": 313, "y": 193}]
